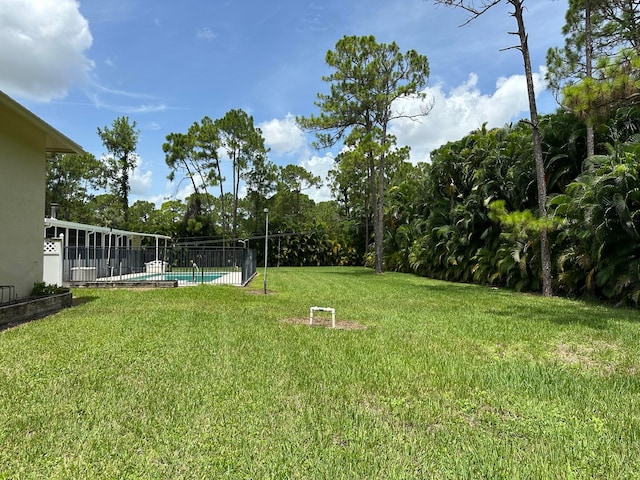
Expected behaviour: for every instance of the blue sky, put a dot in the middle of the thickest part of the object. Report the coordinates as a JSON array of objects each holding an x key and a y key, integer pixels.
[{"x": 165, "y": 64}]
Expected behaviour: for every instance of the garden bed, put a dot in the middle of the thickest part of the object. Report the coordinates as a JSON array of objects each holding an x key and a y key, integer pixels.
[{"x": 34, "y": 307}]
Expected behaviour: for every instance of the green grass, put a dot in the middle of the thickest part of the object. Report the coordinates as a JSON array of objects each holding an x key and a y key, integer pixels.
[{"x": 445, "y": 381}]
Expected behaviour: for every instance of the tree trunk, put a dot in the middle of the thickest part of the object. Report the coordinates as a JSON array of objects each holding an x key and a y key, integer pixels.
[
  {"x": 367, "y": 235},
  {"x": 545, "y": 252},
  {"x": 588, "y": 53},
  {"x": 124, "y": 188},
  {"x": 379, "y": 225},
  {"x": 234, "y": 213},
  {"x": 373, "y": 187},
  {"x": 223, "y": 209}
]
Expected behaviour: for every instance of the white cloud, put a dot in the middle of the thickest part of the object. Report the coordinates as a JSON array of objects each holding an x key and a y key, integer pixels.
[
  {"x": 157, "y": 200},
  {"x": 283, "y": 136},
  {"x": 319, "y": 166},
  {"x": 124, "y": 102},
  {"x": 176, "y": 190},
  {"x": 43, "y": 48},
  {"x": 462, "y": 110},
  {"x": 141, "y": 181},
  {"x": 183, "y": 190}
]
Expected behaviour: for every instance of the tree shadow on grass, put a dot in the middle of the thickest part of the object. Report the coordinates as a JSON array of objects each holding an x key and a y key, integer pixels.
[
  {"x": 515, "y": 305},
  {"x": 592, "y": 315},
  {"x": 77, "y": 301},
  {"x": 553, "y": 314},
  {"x": 452, "y": 291},
  {"x": 348, "y": 271}
]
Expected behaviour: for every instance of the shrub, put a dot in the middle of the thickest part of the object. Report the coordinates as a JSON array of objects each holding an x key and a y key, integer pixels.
[{"x": 41, "y": 289}]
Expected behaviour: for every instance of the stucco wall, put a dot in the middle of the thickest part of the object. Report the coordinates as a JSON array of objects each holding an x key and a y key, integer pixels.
[{"x": 22, "y": 196}]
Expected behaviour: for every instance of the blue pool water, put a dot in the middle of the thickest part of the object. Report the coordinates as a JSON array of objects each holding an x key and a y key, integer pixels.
[{"x": 183, "y": 276}]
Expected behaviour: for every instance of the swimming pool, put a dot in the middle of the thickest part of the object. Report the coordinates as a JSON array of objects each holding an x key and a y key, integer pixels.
[{"x": 199, "y": 277}]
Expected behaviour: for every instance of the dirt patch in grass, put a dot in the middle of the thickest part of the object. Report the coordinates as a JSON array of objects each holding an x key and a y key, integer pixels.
[
  {"x": 585, "y": 356},
  {"x": 325, "y": 322}
]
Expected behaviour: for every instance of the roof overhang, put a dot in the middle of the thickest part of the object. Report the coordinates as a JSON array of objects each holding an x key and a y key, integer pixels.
[
  {"x": 56, "y": 142},
  {"x": 54, "y": 222}
]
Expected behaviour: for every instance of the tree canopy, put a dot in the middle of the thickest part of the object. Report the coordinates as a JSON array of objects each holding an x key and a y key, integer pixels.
[
  {"x": 120, "y": 141},
  {"x": 367, "y": 78}
]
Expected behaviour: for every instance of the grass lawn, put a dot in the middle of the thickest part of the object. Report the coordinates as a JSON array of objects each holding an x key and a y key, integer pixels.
[{"x": 445, "y": 381}]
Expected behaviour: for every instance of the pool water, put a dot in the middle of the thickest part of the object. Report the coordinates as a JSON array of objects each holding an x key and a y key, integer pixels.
[{"x": 183, "y": 276}]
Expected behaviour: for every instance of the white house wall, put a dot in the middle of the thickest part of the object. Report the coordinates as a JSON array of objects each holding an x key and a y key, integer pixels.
[{"x": 22, "y": 199}]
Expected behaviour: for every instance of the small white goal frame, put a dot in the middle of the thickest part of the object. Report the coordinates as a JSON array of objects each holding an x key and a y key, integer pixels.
[{"x": 323, "y": 309}]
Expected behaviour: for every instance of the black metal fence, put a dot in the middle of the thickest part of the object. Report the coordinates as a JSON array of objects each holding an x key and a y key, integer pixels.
[{"x": 187, "y": 265}]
